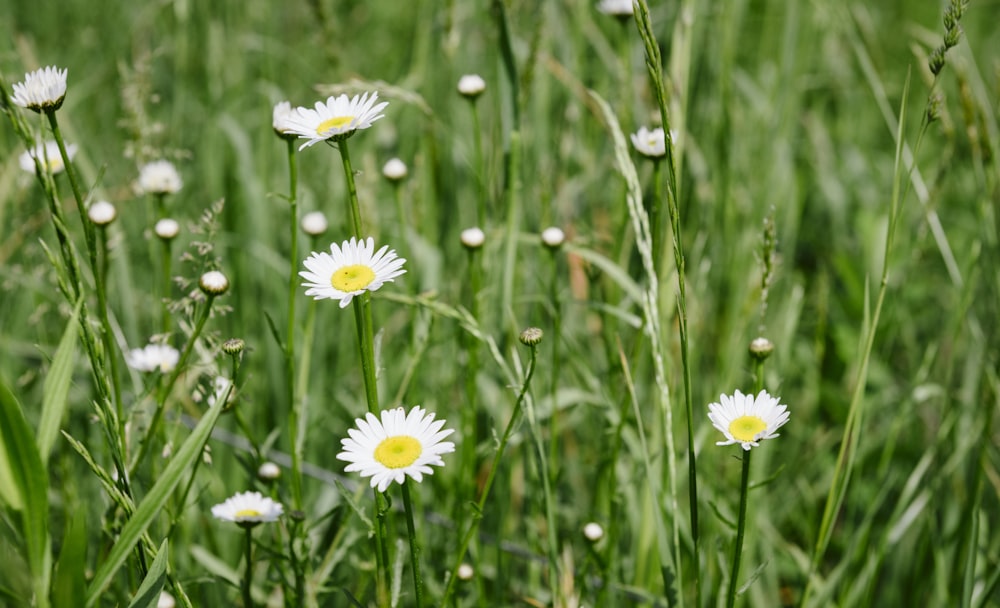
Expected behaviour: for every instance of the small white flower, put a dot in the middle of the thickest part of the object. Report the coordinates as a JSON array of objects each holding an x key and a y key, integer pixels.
[
  {"x": 248, "y": 508},
  {"x": 553, "y": 237},
  {"x": 616, "y": 8},
  {"x": 49, "y": 154},
  {"x": 471, "y": 85},
  {"x": 102, "y": 213},
  {"x": 473, "y": 238},
  {"x": 747, "y": 420},
  {"x": 279, "y": 119},
  {"x": 153, "y": 357},
  {"x": 167, "y": 229},
  {"x": 159, "y": 177},
  {"x": 650, "y": 143},
  {"x": 593, "y": 532},
  {"x": 350, "y": 270},
  {"x": 394, "y": 170},
  {"x": 43, "y": 89},
  {"x": 396, "y": 446},
  {"x": 213, "y": 283},
  {"x": 314, "y": 223},
  {"x": 337, "y": 119}
]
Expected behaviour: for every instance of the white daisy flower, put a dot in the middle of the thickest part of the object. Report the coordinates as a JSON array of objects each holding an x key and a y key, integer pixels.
[
  {"x": 42, "y": 89},
  {"x": 616, "y": 8},
  {"x": 248, "y": 508},
  {"x": 220, "y": 386},
  {"x": 650, "y": 143},
  {"x": 471, "y": 85},
  {"x": 159, "y": 177},
  {"x": 49, "y": 155},
  {"x": 350, "y": 270},
  {"x": 337, "y": 118},
  {"x": 747, "y": 420},
  {"x": 153, "y": 357},
  {"x": 397, "y": 446}
]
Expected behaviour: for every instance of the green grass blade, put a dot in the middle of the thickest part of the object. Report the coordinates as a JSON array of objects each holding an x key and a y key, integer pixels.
[
  {"x": 29, "y": 484},
  {"x": 154, "y": 501},
  {"x": 56, "y": 390},
  {"x": 149, "y": 591},
  {"x": 69, "y": 580}
]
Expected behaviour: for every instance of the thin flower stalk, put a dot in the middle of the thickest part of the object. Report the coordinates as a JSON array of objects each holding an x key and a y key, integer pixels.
[
  {"x": 352, "y": 190},
  {"x": 293, "y": 260},
  {"x": 488, "y": 485}
]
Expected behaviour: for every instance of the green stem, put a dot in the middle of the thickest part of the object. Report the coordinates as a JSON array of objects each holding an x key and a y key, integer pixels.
[
  {"x": 556, "y": 370},
  {"x": 470, "y": 435},
  {"x": 480, "y": 168},
  {"x": 166, "y": 388},
  {"x": 165, "y": 288},
  {"x": 352, "y": 190},
  {"x": 418, "y": 581},
  {"x": 248, "y": 577},
  {"x": 477, "y": 516},
  {"x": 293, "y": 263},
  {"x": 740, "y": 528},
  {"x": 366, "y": 341}
]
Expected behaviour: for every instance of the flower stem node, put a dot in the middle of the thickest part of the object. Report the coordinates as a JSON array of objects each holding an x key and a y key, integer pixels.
[
  {"x": 167, "y": 229},
  {"x": 102, "y": 213},
  {"x": 213, "y": 283},
  {"x": 233, "y": 346},
  {"x": 531, "y": 336},
  {"x": 473, "y": 238},
  {"x": 42, "y": 90},
  {"x": 761, "y": 348}
]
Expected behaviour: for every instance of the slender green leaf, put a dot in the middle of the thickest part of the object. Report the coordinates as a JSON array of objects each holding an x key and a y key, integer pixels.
[
  {"x": 154, "y": 501},
  {"x": 70, "y": 581},
  {"x": 30, "y": 487},
  {"x": 149, "y": 591},
  {"x": 56, "y": 389}
]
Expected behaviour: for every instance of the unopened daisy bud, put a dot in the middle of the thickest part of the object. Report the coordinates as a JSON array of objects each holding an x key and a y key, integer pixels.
[
  {"x": 42, "y": 90},
  {"x": 167, "y": 229},
  {"x": 213, "y": 283},
  {"x": 279, "y": 120},
  {"x": 553, "y": 237},
  {"x": 473, "y": 238},
  {"x": 394, "y": 170},
  {"x": 621, "y": 9},
  {"x": 465, "y": 572},
  {"x": 102, "y": 213},
  {"x": 268, "y": 471},
  {"x": 761, "y": 348},
  {"x": 314, "y": 223},
  {"x": 297, "y": 515},
  {"x": 531, "y": 336},
  {"x": 233, "y": 346},
  {"x": 471, "y": 85},
  {"x": 166, "y": 600},
  {"x": 593, "y": 532}
]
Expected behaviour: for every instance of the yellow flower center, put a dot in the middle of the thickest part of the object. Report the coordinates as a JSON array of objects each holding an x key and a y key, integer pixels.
[
  {"x": 746, "y": 428},
  {"x": 352, "y": 278},
  {"x": 248, "y": 513},
  {"x": 398, "y": 452},
  {"x": 336, "y": 122}
]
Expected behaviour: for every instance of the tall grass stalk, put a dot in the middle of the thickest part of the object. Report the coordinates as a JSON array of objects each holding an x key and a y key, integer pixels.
[{"x": 654, "y": 68}]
